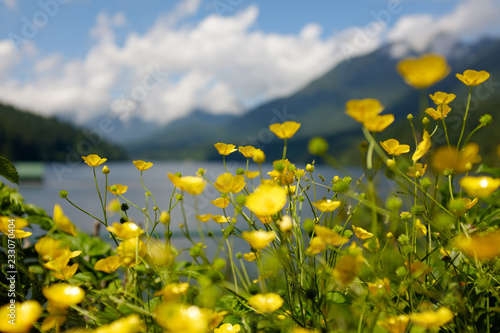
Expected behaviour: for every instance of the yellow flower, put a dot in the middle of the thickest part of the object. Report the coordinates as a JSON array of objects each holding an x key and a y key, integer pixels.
[
  {"x": 432, "y": 319},
  {"x": 94, "y": 160},
  {"x": 173, "y": 291},
  {"x": 53, "y": 321},
  {"x": 164, "y": 217},
  {"x": 285, "y": 130},
  {"x": 417, "y": 171},
  {"x": 421, "y": 229},
  {"x": 220, "y": 202},
  {"x": 113, "y": 206},
  {"x": 381, "y": 285},
  {"x": 378, "y": 123},
  {"x": 13, "y": 226},
  {"x": 266, "y": 199},
  {"x": 363, "y": 109},
  {"x": 142, "y": 166},
  {"x": 440, "y": 98},
  {"x": 252, "y": 256},
  {"x": 127, "y": 251},
  {"x": 441, "y": 112},
  {"x": 62, "y": 221},
  {"x": 117, "y": 189},
  {"x": 329, "y": 236},
  {"x": 423, "y": 147},
  {"x": 159, "y": 253},
  {"x": 361, "y": 233},
  {"x": 64, "y": 295},
  {"x": 228, "y": 183},
  {"x": 50, "y": 249},
  {"x": 227, "y": 328},
  {"x": 125, "y": 230},
  {"x": 105, "y": 170},
  {"x": 303, "y": 330},
  {"x": 425, "y": 71},
  {"x": 266, "y": 303},
  {"x": 204, "y": 217},
  {"x": 221, "y": 219},
  {"x": 461, "y": 162},
  {"x": 372, "y": 245},
  {"x": 286, "y": 223},
  {"x": 225, "y": 149},
  {"x": 469, "y": 203},
  {"x": 327, "y": 205},
  {"x": 479, "y": 186},
  {"x": 395, "y": 324},
  {"x": 247, "y": 151},
  {"x": 258, "y": 239},
  {"x": 176, "y": 317},
  {"x": 251, "y": 174},
  {"x": 418, "y": 268},
  {"x": 191, "y": 184},
  {"x": 259, "y": 156},
  {"x": 23, "y": 314},
  {"x": 129, "y": 324},
  {"x": 484, "y": 246},
  {"x": 473, "y": 78},
  {"x": 108, "y": 265},
  {"x": 317, "y": 245},
  {"x": 392, "y": 147},
  {"x": 347, "y": 268}
]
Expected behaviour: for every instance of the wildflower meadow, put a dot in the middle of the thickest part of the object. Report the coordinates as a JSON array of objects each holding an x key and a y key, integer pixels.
[{"x": 424, "y": 258}]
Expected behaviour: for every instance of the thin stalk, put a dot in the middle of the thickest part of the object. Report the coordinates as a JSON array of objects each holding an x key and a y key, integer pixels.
[{"x": 465, "y": 119}]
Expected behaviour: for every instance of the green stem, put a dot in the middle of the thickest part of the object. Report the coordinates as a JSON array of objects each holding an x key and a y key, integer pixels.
[
  {"x": 284, "y": 148},
  {"x": 465, "y": 119}
]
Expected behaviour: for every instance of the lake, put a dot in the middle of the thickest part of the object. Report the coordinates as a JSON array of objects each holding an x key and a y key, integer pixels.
[{"x": 78, "y": 181}]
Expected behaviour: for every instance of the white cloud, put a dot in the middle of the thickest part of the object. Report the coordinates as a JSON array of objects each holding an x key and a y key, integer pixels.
[
  {"x": 469, "y": 19},
  {"x": 7, "y": 56},
  {"x": 12, "y": 4},
  {"x": 220, "y": 64}
]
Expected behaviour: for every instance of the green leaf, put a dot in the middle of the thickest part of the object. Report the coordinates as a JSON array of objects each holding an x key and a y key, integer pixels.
[
  {"x": 8, "y": 171},
  {"x": 44, "y": 222},
  {"x": 97, "y": 247},
  {"x": 83, "y": 277},
  {"x": 486, "y": 169},
  {"x": 336, "y": 297}
]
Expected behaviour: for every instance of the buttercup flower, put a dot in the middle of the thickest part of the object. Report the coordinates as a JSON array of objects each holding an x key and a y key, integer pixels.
[
  {"x": 441, "y": 112},
  {"x": 417, "y": 171},
  {"x": 26, "y": 314},
  {"x": 129, "y": 324},
  {"x": 64, "y": 295},
  {"x": 479, "y": 186},
  {"x": 395, "y": 324},
  {"x": 329, "y": 237},
  {"x": 50, "y": 249},
  {"x": 425, "y": 71},
  {"x": 227, "y": 328},
  {"x": 176, "y": 317},
  {"x": 327, "y": 205},
  {"x": 220, "y": 202},
  {"x": 473, "y": 78},
  {"x": 266, "y": 303},
  {"x": 94, "y": 160},
  {"x": 118, "y": 189},
  {"x": 363, "y": 109},
  {"x": 423, "y": 147},
  {"x": 259, "y": 239},
  {"x": 252, "y": 256},
  {"x": 220, "y": 219},
  {"x": 285, "y": 130},
  {"x": 252, "y": 174},
  {"x": 18, "y": 223},
  {"x": 361, "y": 233},
  {"x": 247, "y": 151},
  {"x": 259, "y": 156},
  {"x": 225, "y": 149},
  {"x": 127, "y": 251},
  {"x": 108, "y": 265},
  {"x": 317, "y": 245},
  {"x": 432, "y": 319},
  {"x": 173, "y": 291},
  {"x": 347, "y": 268},
  {"x": 204, "y": 217},
  {"x": 440, "y": 98},
  {"x": 461, "y": 162},
  {"x": 192, "y": 185},
  {"x": 62, "y": 221},
  {"x": 266, "y": 199},
  {"x": 392, "y": 147},
  {"x": 378, "y": 123},
  {"x": 421, "y": 229},
  {"x": 142, "y": 166},
  {"x": 228, "y": 183},
  {"x": 381, "y": 285},
  {"x": 125, "y": 230},
  {"x": 484, "y": 246}
]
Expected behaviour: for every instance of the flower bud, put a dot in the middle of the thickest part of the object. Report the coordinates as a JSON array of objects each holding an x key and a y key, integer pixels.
[
  {"x": 63, "y": 194},
  {"x": 259, "y": 156},
  {"x": 105, "y": 170},
  {"x": 409, "y": 117},
  {"x": 318, "y": 146},
  {"x": 310, "y": 168}
]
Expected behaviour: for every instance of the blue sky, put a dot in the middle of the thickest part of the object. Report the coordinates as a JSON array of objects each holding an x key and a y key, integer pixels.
[{"x": 161, "y": 59}]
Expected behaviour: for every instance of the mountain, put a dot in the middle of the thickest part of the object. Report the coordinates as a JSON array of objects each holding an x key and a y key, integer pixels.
[
  {"x": 124, "y": 131},
  {"x": 25, "y": 136},
  {"x": 319, "y": 107}
]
